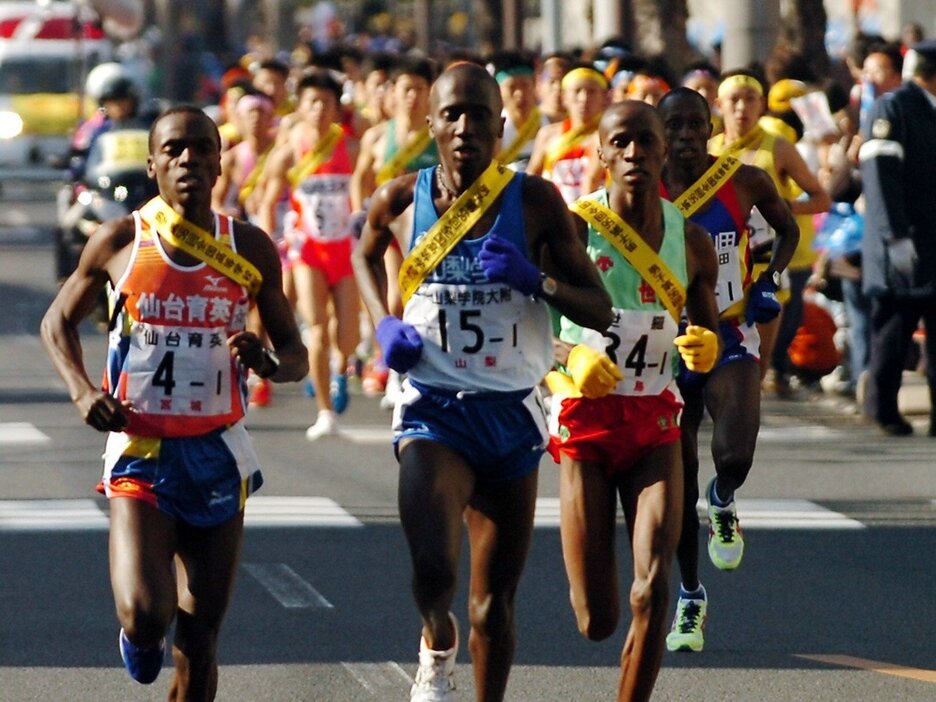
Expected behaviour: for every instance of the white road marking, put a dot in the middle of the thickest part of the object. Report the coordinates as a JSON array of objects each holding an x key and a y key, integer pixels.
[
  {"x": 263, "y": 511},
  {"x": 798, "y": 434},
  {"x": 21, "y": 433},
  {"x": 51, "y": 515},
  {"x": 383, "y": 680},
  {"x": 547, "y": 512},
  {"x": 366, "y": 434},
  {"x": 758, "y": 513},
  {"x": 289, "y": 589}
]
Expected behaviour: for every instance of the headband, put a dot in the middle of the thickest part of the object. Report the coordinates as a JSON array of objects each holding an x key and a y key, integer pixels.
[
  {"x": 740, "y": 81},
  {"x": 641, "y": 81},
  {"x": 512, "y": 72},
  {"x": 584, "y": 74},
  {"x": 252, "y": 102}
]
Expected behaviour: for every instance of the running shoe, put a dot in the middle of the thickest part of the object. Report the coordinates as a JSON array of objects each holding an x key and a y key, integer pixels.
[
  {"x": 339, "y": 393},
  {"x": 725, "y": 540},
  {"x": 374, "y": 377},
  {"x": 143, "y": 664},
  {"x": 435, "y": 676},
  {"x": 326, "y": 424},
  {"x": 309, "y": 388},
  {"x": 261, "y": 393},
  {"x": 686, "y": 633}
]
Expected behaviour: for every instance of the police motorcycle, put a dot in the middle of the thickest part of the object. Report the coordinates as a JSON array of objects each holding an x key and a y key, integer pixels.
[{"x": 110, "y": 178}]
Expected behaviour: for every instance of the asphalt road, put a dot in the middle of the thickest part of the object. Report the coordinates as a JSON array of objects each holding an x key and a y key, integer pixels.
[{"x": 833, "y": 602}]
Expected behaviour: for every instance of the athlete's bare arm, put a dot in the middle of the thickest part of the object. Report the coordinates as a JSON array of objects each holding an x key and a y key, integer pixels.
[
  {"x": 580, "y": 295},
  {"x": 388, "y": 217},
  {"x": 103, "y": 259},
  {"x": 544, "y": 138},
  {"x": 756, "y": 189},
  {"x": 274, "y": 182},
  {"x": 364, "y": 178},
  {"x": 791, "y": 165},
  {"x": 702, "y": 267},
  {"x": 275, "y": 311},
  {"x": 218, "y": 193}
]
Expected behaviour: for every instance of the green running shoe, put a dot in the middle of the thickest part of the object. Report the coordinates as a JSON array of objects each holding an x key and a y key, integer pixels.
[
  {"x": 725, "y": 540},
  {"x": 686, "y": 633}
]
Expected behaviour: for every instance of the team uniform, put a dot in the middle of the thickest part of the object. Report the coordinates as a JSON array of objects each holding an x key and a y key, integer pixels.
[
  {"x": 479, "y": 335},
  {"x": 511, "y": 130},
  {"x": 568, "y": 171},
  {"x": 642, "y": 412},
  {"x": 321, "y": 215},
  {"x": 428, "y": 158},
  {"x": 185, "y": 449},
  {"x": 724, "y": 221}
]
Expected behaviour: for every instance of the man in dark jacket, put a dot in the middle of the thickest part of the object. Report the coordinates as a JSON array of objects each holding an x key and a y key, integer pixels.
[{"x": 898, "y": 168}]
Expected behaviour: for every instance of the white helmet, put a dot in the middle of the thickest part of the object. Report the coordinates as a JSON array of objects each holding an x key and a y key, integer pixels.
[{"x": 102, "y": 76}]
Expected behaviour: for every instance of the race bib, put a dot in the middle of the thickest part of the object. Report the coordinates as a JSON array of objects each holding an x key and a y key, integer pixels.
[
  {"x": 124, "y": 148},
  {"x": 476, "y": 328},
  {"x": 182, "y": 371},
  {"x": 760, "y": 232},
  {"x": 640, "y": 344},
  {"x": 730, "y": 287}
]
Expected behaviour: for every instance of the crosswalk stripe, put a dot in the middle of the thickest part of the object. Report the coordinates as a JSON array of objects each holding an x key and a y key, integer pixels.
[
  {"x": 759, "y": 513},
  {"x": 287, "y": 586},
  {"x": 19, "y": 433},
  {"x": 263, "y": 511},
  {"x": 275, "y": 511},
  {"x": 51, "y": 515}
]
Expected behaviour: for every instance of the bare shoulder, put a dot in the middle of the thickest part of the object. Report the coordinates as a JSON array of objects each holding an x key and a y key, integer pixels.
[
  {"x": 254, "y": 244},
  {"x": 392, "y": 198}
]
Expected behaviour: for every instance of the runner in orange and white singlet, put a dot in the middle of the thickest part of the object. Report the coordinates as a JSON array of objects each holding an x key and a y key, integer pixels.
[
  {"x": 564, "y": 151},
  {"x": 179, "y": 464}
]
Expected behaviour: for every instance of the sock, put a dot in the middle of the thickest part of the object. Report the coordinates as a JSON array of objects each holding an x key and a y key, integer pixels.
[
  {"x": 697, "y": 594},
  {"x": 716, "y": 499}
]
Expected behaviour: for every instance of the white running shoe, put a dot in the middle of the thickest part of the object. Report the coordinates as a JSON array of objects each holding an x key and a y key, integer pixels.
[
  {"x": 325, "y": 425},
  {"x": 435, "y": 677}
]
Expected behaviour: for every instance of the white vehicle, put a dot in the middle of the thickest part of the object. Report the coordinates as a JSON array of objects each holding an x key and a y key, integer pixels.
[{"x": 46, "y": 50}]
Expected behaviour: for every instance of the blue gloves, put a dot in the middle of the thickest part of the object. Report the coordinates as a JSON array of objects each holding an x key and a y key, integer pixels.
[
  {"x": 505, "y": 263},
  {"x": 762, "y": 305},
  {"x": 400, "y": 342}
]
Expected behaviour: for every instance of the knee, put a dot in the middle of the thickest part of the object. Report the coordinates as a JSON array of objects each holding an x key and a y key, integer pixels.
[
  {"x": 144, "y": 621},
  {"x": 491, "y": 615},
  {"x": 596, "y": 623},
  {"x": 649, "y": 596}
]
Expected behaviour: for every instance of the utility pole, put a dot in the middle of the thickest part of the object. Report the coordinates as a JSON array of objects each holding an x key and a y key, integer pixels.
[
  {"x": 168, "y": 19},
  {"x": 512, "y": 15},
  {"x": 551, "y": 23},
  {"x": 421, "y": 20}
]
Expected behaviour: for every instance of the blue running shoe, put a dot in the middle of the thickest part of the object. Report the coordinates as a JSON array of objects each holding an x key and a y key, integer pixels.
[
  {"x": 309, "y": 388},
  {"x": 143, "y": 664},
  {"x": 339, "y": 393}
]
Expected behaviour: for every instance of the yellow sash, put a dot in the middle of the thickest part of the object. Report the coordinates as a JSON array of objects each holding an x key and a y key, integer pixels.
[
  {"x": 311, "y": 162},
  {"x": 194, "y": 240},
  {"x": 569, "y": 139},
  {"x": 738, "y": 145},
  {"x": 250, "y": 182},
  {"x": 397, "y": 164},
  {"x": 707, "y": 185},
  {"x": 448, "y": 230},
  {"x": 635, "y": 250},
  {"x": 526, "y": 132}
]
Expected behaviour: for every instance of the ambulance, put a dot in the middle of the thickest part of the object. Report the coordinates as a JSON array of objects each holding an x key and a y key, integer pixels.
[{"x": 46, "y": 50}]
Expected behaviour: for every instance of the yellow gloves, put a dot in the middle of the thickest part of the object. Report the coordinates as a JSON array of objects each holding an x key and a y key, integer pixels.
[
  {"x": 698, "y": 348},
  {"x": 561, "y": 384},
  {"x": 593, "y": 373}
]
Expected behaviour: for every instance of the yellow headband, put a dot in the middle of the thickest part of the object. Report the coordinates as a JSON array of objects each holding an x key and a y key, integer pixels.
[
  {"x": 740, "y": 81},
  {"x": 584, "y": 74}
]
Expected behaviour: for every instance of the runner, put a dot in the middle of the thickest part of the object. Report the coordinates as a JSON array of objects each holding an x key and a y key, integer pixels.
[
  {"x": 316, "y": 162},
  {"x": 718, "y": 194},
  {"x": 564, "y": 150},
  {"x": 615, "y": 428},
  {"x": 475, "y": 339},
  {"x": 178, "y": 464}
]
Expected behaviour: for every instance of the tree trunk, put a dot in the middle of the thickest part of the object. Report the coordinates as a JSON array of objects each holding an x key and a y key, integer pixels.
[
  {"x": 661, "y": 30},
  {"x": 803, "y": 29},
  {"x": 489, "y": 30}
]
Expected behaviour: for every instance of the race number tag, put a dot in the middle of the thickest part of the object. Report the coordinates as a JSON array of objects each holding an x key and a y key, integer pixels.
[
  {"x": 476, "y": 328},
  {"x": 760, "y": 232},
  {"x": 640, "y": 344},
  {"x": 179, "y": 370},
  {"x": 729, "y": 289}
]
